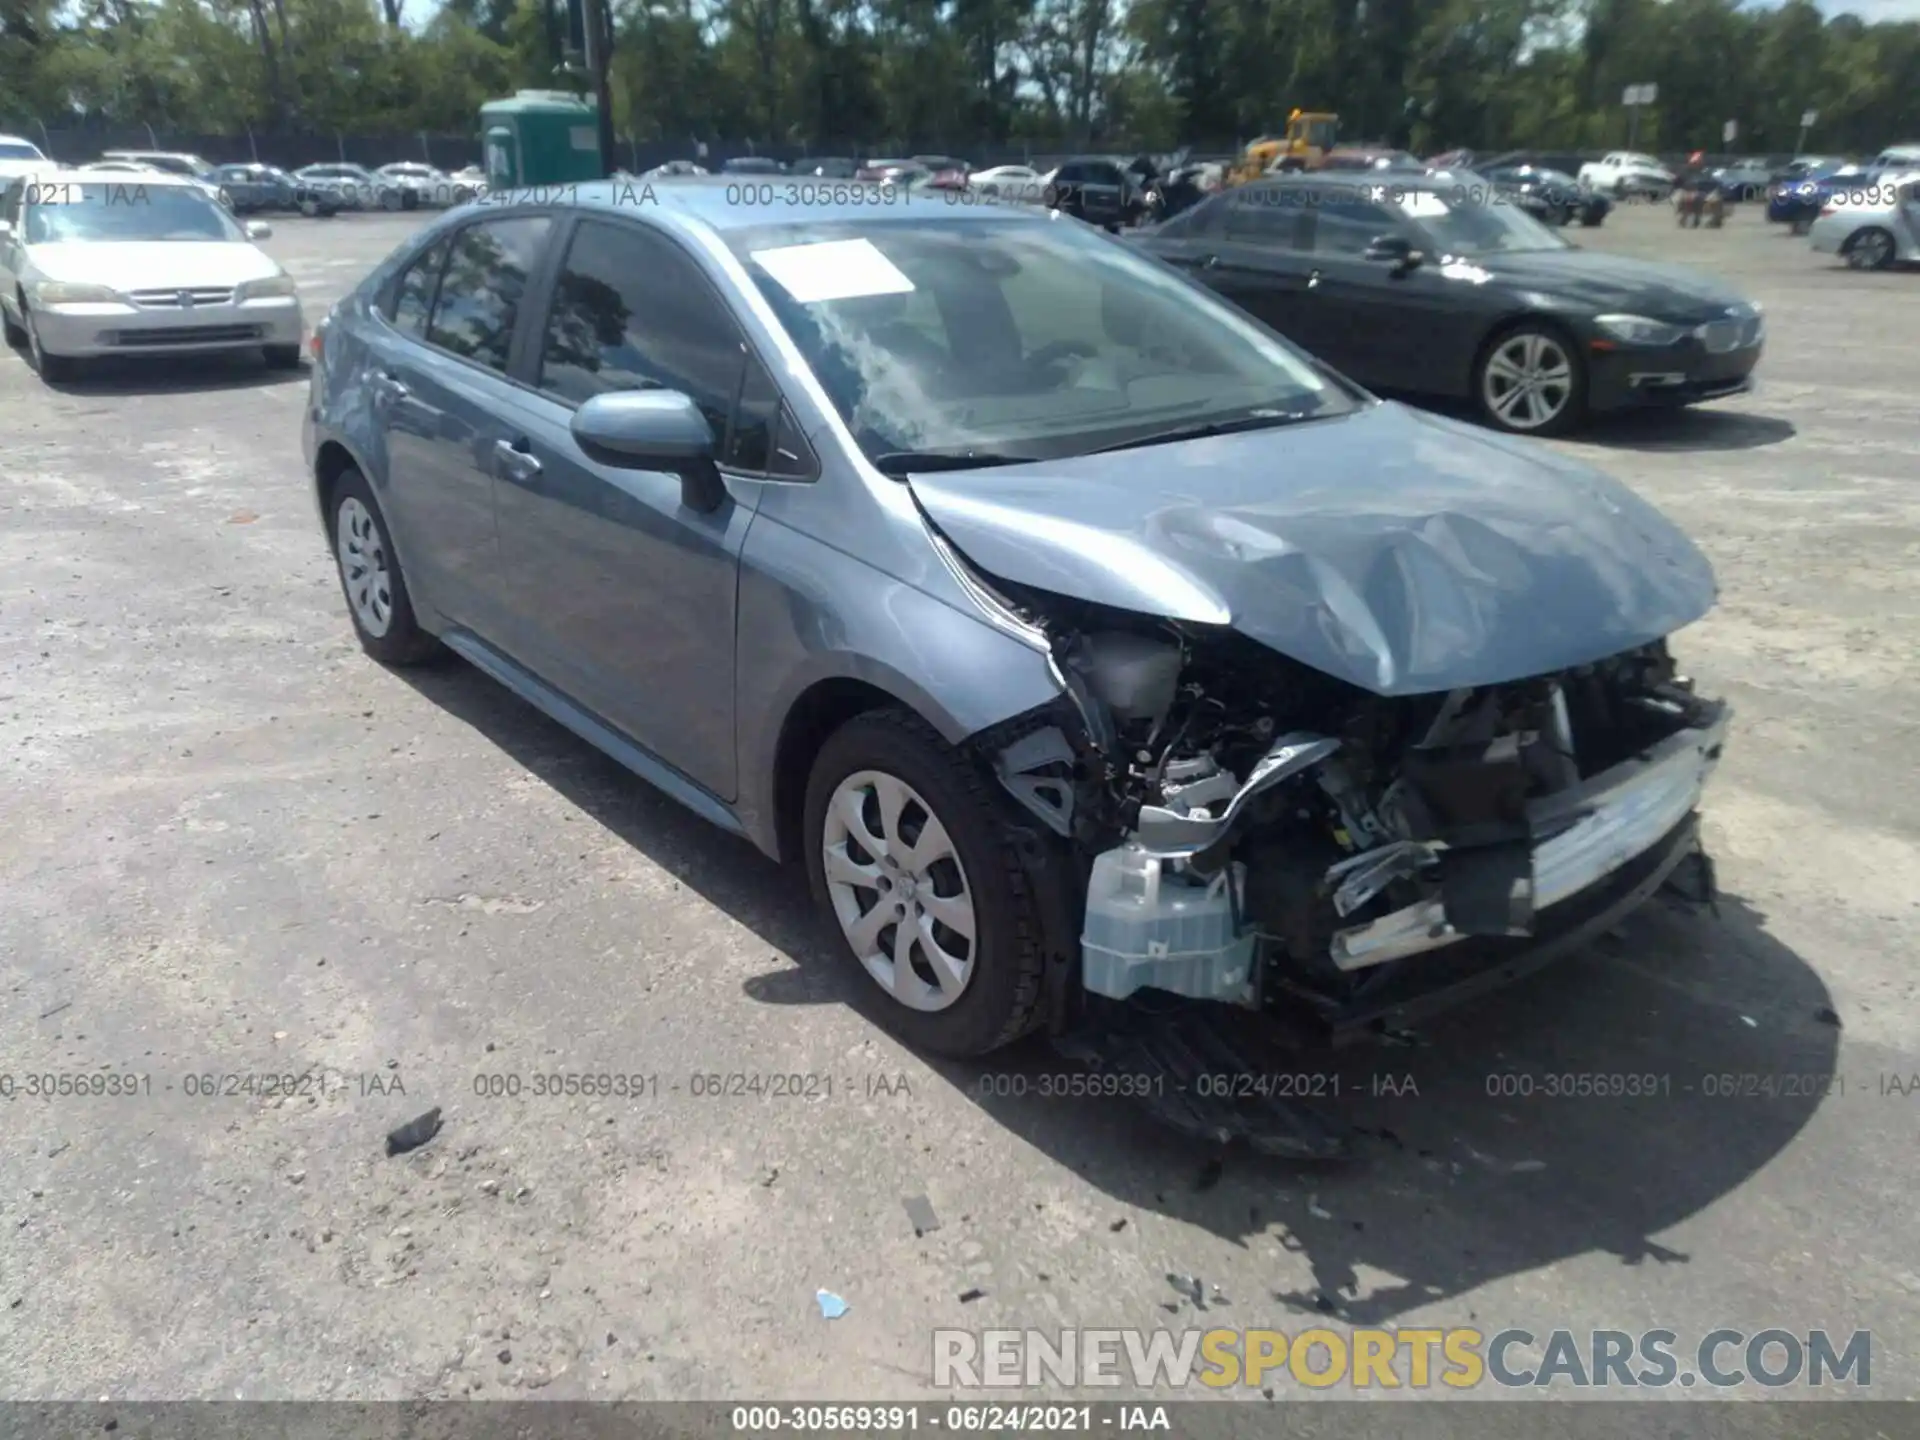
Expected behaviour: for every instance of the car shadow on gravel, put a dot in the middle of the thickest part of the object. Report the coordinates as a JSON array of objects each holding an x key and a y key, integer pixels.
[
  {"x": 176, "y": 374},
  {"x": 1686, "y": 430},
  {"x": 1585, "y": 1110}
]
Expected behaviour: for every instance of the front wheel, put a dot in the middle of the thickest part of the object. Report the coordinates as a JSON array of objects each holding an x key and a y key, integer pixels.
[
  {"x": 1530, "y": 381},
  {"x": 309, "y": 207},
  {"x": 15, "y": 332},
  {"x": 907, "y": 858},
  {"x": 370, "y": 577},
  {"x": 52, "y": 368},
  {"x": 1869, "y": 249}
]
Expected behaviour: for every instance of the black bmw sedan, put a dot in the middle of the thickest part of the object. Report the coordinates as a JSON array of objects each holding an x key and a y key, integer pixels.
[{"x": 1426, "y": 285}]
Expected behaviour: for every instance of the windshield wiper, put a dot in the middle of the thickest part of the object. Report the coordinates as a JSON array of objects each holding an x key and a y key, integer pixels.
[
  {"x": 908, "y": 462},
  {"x": 1207, "y": 428}
]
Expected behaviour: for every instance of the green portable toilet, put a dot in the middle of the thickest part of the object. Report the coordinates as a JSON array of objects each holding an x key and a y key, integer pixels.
[{"x": 540, "y": 137}]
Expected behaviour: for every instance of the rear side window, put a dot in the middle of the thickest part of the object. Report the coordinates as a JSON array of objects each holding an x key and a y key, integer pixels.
[
  {"x": 1271, "y": 218},
  {"x": 481, "y": 289},
  {"x": 632, "y": 312},
  {"x": 411, "y": 299}
]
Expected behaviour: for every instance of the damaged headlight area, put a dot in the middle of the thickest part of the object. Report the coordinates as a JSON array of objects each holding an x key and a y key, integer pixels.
[{"x": 1255, "y": 832}]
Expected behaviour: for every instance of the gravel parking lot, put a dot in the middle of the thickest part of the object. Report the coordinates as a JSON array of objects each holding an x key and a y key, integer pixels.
[{"x": 231, "y": 845}]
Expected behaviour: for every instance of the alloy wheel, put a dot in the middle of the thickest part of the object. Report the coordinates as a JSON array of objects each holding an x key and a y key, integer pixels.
[
  {"x": 1528, "y": 380},
  {"x": 899, "y": 891},
  {"x": 362, "y": 550},
  {"x": 1869, "y": 250}
]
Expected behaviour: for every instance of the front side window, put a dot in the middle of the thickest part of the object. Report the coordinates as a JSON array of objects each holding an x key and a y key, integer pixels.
[
  {"x": 632, "y": 312},
  {"x": 124, "y": 210},
  {"x": 481, "y": 290},
  {"x": 1464, "y": 224},
  {"x": 1016, "y": 337},
  {"x": 1347, "y": 227},
  {"x": 19, "y": 150}
]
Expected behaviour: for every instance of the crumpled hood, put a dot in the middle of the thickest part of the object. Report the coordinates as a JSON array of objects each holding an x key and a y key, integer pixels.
[
  {"x": 1395, "y": 550},
  {"x": 1615, "y": 282}
]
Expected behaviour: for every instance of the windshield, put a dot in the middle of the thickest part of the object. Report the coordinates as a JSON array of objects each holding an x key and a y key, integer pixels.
[
  {"x": 1467, "y": 220},
  {"x": 1016, "y": 339},
  {"x": 105, "y": 213},
  {"x": 18, "y": 150}
]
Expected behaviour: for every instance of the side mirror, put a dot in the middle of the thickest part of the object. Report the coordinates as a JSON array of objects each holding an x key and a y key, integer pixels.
[
  {"x": 1394, "y": 250},
  {"x": 259, "y": 230},
  {"x": 653, "y": 430}
]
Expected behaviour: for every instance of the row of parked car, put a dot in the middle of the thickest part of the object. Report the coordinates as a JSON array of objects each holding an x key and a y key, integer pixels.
[{"x": 253, "y": 188}]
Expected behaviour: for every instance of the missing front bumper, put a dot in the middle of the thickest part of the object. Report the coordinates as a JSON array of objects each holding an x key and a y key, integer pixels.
[{"x": 1590, "y": 832}]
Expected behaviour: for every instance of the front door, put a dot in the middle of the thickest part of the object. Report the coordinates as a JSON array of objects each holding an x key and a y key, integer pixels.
[
  {"x": 625, "y": 596},
  {"x": 1390, "y": 329}
]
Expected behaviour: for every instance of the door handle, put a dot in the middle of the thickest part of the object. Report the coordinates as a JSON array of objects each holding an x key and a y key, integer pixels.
[
  {"x": 1313, "y": 280},
  {"x": 1210, "y": 262},
  {"x": 514, "y": 460},
  {"x": 387, "y": 386}
]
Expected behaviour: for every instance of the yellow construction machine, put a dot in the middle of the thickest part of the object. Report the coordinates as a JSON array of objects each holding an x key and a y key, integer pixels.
[{"x": 1309, "y": 135}]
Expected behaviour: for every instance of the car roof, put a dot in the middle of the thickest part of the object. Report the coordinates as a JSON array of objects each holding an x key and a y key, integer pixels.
[{"x": 703, "y": 201}]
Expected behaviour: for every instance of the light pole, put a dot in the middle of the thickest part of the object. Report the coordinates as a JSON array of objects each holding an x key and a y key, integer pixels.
[{"x": 598, "y": 26}]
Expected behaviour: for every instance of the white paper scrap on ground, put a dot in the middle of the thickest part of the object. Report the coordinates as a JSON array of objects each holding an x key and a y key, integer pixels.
[{"x": 833, "y": 270}]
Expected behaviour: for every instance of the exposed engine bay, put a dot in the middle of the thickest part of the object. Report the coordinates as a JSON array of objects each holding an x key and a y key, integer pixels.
[{"x": 1258, "y": 833}]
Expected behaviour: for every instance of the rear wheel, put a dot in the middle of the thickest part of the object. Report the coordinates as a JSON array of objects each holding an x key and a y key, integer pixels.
[
  {"x": 370, "y": 577},
  {"x": 1869, "y": 249},
  {"x": 1530, "y": 381},
  {"x": 906, "y": 857}
]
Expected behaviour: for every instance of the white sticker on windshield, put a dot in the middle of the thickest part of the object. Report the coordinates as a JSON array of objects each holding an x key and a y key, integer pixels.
[
  {"x": 833, "y": 270},
  {"x": 1422, "y": 203}
]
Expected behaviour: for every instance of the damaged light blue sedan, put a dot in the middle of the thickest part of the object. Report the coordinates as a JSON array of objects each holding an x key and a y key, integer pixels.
[{"x": 1080, "y": 636}]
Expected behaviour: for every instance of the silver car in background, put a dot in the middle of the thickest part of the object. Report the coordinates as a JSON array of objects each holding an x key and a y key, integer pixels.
[
  {"x": 98, "y": 265},
  {"x": 1873, "y": 226}
]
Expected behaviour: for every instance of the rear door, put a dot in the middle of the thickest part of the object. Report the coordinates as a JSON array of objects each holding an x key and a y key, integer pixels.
[
  {"x": 625, "y": 597},
  {"x": 440, "y": 391},
  {"x": 1262, "y": 261}
]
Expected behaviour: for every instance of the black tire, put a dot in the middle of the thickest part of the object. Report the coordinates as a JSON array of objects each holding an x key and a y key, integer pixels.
[
  {"x": 403, "y": 642},
  {"x": 1572, "y": 413},
  {"x": 1591, "y": 217},
  {"x": 1003, "y": 999},
  {"x": 14, "y": 334},
  {"x": 283, "y": 357},
  {"x": 310, "y": 207}
]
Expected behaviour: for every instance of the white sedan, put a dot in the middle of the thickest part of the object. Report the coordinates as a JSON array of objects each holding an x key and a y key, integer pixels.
[
  {"x": 1015, "y": 182},
  {"x": 138, "y": 265},
  {"x": 1873, "y": 226}
]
